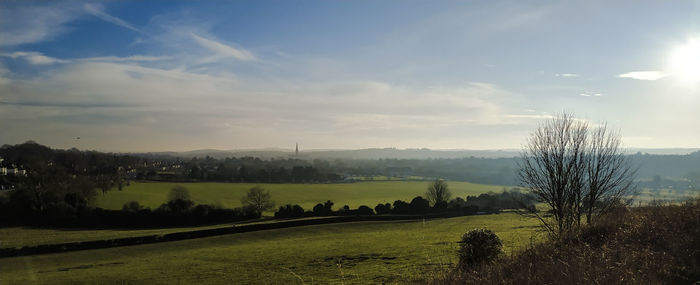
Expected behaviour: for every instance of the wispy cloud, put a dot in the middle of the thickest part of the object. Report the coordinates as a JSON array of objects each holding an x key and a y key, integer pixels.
[
  {"x": 21, "y": 24},
  {"x": 83, "y": 93},
  {"x": 33, "y": 57},
  {"x": 98, "y": 11},
  {"x": 3, "y": 72},
  {"x": 590, "y": 94},
  {"x": 221, "y": 50},
  {"x": 644, "y": 75},
  {"x": 566, "y": 75},
  {"x": 132, "y": 58},
  {"x": 67, "y": 105}
]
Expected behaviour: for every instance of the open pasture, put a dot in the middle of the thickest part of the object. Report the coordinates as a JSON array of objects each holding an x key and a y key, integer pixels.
[
  {"x": 153, "y": 194},
  {"x": 29, "y": 236},
  {"x": 350, "y": 253},
  {"x": 647, "y": 196}
]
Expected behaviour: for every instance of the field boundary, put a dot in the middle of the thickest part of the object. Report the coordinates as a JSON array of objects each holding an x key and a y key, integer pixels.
[{"x": 148, "y": 239}]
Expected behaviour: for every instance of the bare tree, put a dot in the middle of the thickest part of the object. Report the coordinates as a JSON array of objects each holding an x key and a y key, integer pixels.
[
  {"x": 610, "y": 175},
  {"x": 574, "y": 170},
  {"x": 553, "y": 165},
  {"x": 258, "y": 199},
  {"x": 438, "y": 192},
  {"x": 179, "y": 192}
]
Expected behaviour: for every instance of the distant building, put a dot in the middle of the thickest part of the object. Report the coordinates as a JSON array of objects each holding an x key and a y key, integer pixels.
[{"x": 13, "y": 171}]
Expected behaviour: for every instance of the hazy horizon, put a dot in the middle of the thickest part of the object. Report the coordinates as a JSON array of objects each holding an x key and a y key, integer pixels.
[
  {"x": 302, "y": 150},
  {"x": 130, "y": 76}
]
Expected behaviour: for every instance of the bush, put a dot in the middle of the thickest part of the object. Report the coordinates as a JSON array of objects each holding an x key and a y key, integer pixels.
[
  {"x": 132, "y": 206},
  {"x": 176, "y": 207},
  {"x": 364, "y": 210},
  {"x": 382, "y": 209},
  {"x": 325, "y": 209},
  {"x": 478, "y": 246},
  {"x": 290, "y": 211},
  {"x": 419, "y": 205}
]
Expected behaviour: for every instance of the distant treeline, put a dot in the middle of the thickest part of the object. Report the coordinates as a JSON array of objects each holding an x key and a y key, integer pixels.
[
  {"x": 170, "y": 214},
  {"x": 484, "y": 203},
  {"x": 655, "y": 171},
  {"x": 60, "y": 187},
  {"x": 256, "y": 170},
  {"x": 57, "y": 183},
  {"x": 175, "y": 212}
]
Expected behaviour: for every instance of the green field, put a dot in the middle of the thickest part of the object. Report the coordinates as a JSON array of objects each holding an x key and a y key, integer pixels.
[
  {"x": 645, "y": 195},
  {"x": 153, "y": 194},
  {"x": 26, "y": 236},
  {"x": 350, "y": 253},
  {"x": 30, "y": 236}
]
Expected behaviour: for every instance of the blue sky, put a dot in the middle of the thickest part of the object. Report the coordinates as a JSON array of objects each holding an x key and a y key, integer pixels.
[{"x": 182, "y": 75}]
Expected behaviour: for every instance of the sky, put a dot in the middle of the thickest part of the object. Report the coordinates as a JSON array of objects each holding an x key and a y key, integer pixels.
[{"x": 186, "y": 75}]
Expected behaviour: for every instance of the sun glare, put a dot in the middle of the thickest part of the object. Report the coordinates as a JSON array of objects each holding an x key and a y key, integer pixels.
[{"x": 685, "y": 61}]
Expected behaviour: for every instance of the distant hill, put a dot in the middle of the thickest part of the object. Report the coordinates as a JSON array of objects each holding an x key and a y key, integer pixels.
[
  {"x": 387, "y": 153},
  {"x": 369, "y": 153}
]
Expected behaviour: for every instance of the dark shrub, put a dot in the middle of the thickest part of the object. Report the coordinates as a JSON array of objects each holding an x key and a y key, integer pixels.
[
  {"x": 364, "y": 210},
  {"x": 457, "y": 203},
  {"x": 440, "y": 206},
  {"x": 400, "y": 207},
  {"x": 318, "y": 210},
  {"x": 290, "y": 211},
  {"x": 177, "y": 207},
  {"x": 325, "y": 209},
  {"x": 478, "y": 246},
  {"x": 201, "y": 211},
  {"x": 419, "y": 205},
  {"x": 132, "y": 206},
  {"x": 383, "y": 209},
  {"x": 76, "y": 201}
]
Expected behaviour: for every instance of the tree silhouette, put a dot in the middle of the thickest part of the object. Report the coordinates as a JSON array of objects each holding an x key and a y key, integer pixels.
[
  {"x": 573, "y": 171},
  {"x": 258, "y": 199},
  {"x": 438, "y": 193}
]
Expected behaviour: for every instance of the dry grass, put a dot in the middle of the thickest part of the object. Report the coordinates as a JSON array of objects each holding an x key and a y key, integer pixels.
[{"x": 648, "y": 245}]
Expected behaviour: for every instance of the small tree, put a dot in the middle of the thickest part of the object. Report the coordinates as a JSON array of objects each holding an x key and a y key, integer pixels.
[
  {"x": 438, "y": 193},
  {"x": 179, "y": 202},
  {"x": 610, "y": 174},
  {"x": 258, "y": 199},
  {"x": 552, "y": 167},
  {"x": 104, "y": 182},
  {"x": 478, "y": 246},
  {"x": 576, "y": 170},
  {"x": 179, "y": 193}
]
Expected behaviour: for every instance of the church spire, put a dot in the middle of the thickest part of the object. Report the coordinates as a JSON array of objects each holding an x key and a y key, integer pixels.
[{"x": 296, "y": 149}]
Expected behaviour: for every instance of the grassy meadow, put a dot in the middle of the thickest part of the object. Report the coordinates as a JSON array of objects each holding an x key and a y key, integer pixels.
[
  {"x": 28, "y": 236},
  {"x": 645, "y": 195},
  {"x": 153, "y": 194},
  {"x": 351, "y": 253}
]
